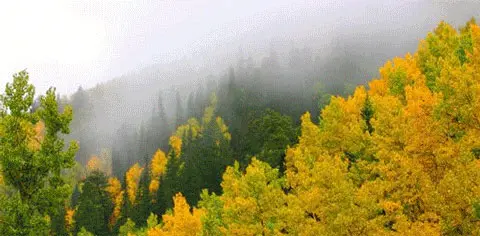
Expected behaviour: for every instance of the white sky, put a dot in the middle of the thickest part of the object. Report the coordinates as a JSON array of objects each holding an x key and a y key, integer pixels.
[
  {"x": 51, "y": 40},
  {"x": 83, "y": 42},
  {"x": 70, "y": 43}
]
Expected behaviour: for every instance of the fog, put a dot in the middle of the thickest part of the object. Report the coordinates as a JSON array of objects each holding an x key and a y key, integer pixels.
[
  {"x": 82, "y": 43},
  {"x": 125, "y": 53}
]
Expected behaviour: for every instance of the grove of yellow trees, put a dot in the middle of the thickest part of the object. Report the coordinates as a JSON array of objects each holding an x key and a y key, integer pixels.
[{"x": 400, "y": 156}]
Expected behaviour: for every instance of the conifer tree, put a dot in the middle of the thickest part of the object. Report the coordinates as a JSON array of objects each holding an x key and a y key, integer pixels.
[{"x": 94, "y": 205}]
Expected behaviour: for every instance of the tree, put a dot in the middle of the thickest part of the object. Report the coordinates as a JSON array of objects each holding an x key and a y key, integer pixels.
[
  {"x": 172, "y": 182},
  {"x": 157, "y": 170},
  {"x": 143, "y": 207},
  {"x": 32, "y": 164},
  {"x": 254, "y": 202},
  {"x": 201, "y": 154},
  {"x": 181, "y": 222},
  {"x": 135, "y": 186},
  {"x": 94, "y": 206},
  {"x": 212, "y": 221},
  {"x": 116, "y": 194},
  {"x": 190, "y": 106},
  {"x": 268, "y": 137},
  {"x": 200, "y": 100},
  {"x": 82, "y": 124},
  {"x": 132, "y": 180},
  {"x": 179, "y": 115},
  {"x": 142, "y": 144},
  {"x": 159, "y": 129}
]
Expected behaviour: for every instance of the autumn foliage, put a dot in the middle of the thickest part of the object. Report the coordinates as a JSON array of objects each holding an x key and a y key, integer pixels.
[
  {"x": 400, "y": 156},
  {"x": 94, "y": 164},
  {"x": 158, "y": 168},
  {"x": 115, "y": 191},
  {"x": 182, "y": 222},
  {"x": 132, "y": 181}
]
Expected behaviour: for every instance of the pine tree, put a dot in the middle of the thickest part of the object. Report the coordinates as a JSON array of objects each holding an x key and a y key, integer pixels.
[
  {"x": 179, "y": 115},
  {"x": 190, "y": 106},
  {"x": 94, "y": 205}
]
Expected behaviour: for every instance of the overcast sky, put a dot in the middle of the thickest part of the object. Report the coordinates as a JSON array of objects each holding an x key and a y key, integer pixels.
[{"x": 71, "y": 43}]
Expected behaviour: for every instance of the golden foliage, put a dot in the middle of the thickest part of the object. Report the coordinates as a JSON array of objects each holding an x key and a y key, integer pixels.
[
  {"x": 115, "y": 191},
  {"x": 399, "y": 158},
  {"x": 132, "y": 179},
  {"x": 176, "y": 144},
  {"x": 158, "y": 168},
  {"x": 223, "y": 128},
  {"x": 407, "y": 165},
  {"x": 94, "y": 164},
  {"x": 182, "y": 222},
  {"x": 209, "y": 112},
  {"x": 69, "y": 221},
  {"x": 192, "y": 128},
  {"x": 2, "y": 181},
  {"x": 254, "y": 203},
  {"x": 37, "y": 136}
]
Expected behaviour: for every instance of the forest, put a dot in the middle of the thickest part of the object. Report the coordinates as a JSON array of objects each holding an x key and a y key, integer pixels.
[{"x": 267, "y": 149}]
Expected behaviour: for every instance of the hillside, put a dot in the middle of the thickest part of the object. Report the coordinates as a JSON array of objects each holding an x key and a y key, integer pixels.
[{"x": 297, "y": 143}]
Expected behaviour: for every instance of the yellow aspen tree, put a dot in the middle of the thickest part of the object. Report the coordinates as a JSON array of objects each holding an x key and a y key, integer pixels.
[
  {"x": 320, "y": 186},
  {"x": 342, "y": 128},
  {"x": 158, "y": 168},
  {"x": 132, "y": 180},
  {"x": 115, "y": 191},
  {"x": 209, "y": 112},
  {"x": 254, "y": 203},
  {"x": 459, "y": 202},
  {"x": 223, "y": 128},
  {"x": 182, "y": 221},
  {"x": 176, "y": 145}
]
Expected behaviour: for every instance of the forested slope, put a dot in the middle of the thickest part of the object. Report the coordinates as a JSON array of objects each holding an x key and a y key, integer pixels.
[{"x": 399, "y": 156}]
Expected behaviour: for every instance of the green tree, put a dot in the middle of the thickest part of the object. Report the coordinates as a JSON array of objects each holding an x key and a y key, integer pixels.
[
  {"x": 170, "y": 184},
  {"x": 269, "y": 136},
  {"x": 144, "y": 204},
  {"x": 32, "y": 159},
  {"x": 179, "y": 115},
  {"x": 95, "y": 207}
]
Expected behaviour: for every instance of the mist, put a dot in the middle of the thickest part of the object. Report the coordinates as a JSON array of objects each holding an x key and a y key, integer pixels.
[
  {"x": 239, "y": 117},
  {"x": 138, "y": 51}
]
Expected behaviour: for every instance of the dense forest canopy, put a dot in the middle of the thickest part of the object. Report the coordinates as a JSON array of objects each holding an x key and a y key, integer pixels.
[{"x": 263, "y": 149}]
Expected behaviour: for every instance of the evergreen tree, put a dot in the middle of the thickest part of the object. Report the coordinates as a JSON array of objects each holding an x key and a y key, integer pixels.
[
  {"x": 144, "y": 207},
  {"x": 179, "y": 115},
  {"x": 94, "y": 205},
  {"x": 190, "y": 106},
  {"x": 142, "y": 144},
  {"x": 81, "y": 124},
  {"x": 200, "y": 157},
  {"x": 58, "y": 221},
  {"x": 200, "y": 100},
  {"x": 171, "y": 183},
  {"x": 269, "y": 136}
]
